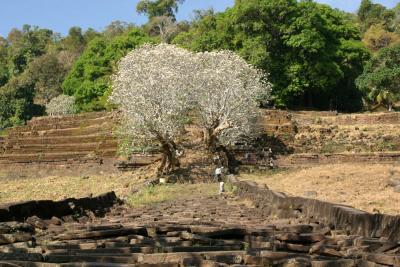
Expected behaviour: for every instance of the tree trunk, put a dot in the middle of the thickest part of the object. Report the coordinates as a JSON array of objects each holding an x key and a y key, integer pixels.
[
  {"x": 211, "y": 134},
  {"x": 390, "y": 106},
  {"x": 169, "y": 160},
  {"x": 210, "y": 140}
]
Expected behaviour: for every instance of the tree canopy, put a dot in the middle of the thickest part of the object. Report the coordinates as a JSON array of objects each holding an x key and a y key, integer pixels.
[
  {"x": 311, "y": 52},
  {"x": 380, "y": 80},
  {"x": 158, "y": 8},
  {"x": 157, "y": 85},
  {"x": 304, "y": 46},
  {"x": 151, "y": 88},
  {"x": 89, "y": 79}
]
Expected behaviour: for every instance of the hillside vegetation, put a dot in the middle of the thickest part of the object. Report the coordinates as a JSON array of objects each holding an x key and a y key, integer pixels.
[{"x": 312, "y": 52}]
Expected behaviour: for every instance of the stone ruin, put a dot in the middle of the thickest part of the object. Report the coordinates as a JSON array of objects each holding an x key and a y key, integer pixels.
[
  {"x": 86, "y": 142},
  {"x": 271, "y": 230},
  {"x": 255, "y": 227}
]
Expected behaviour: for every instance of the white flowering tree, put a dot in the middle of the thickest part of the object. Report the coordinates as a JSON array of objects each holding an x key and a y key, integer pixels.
[
  {"x": 151, "y": 90},
  {"x": 61, "y": 105},
  {"x": 227, "y": 89}
]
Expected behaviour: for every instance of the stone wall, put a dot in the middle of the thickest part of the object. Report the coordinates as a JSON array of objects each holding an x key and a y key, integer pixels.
[
  {"x": 339, "y": 216},
  {"x": 305, "y": 132},
  {"x": 46, "y": 209}
]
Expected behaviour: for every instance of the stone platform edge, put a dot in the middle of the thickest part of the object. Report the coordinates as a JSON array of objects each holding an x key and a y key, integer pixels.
[
  {"x": 46, "y": 209},
  {"x": 338, "y": 216}
]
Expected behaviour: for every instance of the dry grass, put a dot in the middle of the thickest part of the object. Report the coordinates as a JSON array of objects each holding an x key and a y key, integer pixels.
[
  {"x": 61, "y": 187},
  {"x": 363, "y": 186},
  {"x": 57, "y": 187}
]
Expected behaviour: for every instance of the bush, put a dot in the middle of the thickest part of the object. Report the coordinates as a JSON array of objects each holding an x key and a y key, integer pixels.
[{"x": 61, "y": 105}]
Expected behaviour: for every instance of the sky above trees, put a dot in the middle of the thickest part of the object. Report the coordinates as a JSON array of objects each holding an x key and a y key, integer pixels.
[{"x": 61, "y": 15}]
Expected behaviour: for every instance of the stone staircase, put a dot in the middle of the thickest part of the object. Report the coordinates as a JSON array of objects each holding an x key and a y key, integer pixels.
[{"x": 79, "y": 138}]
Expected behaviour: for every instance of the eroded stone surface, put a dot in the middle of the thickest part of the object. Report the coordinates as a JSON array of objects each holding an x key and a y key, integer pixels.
[{"x": 206, "y": 231}]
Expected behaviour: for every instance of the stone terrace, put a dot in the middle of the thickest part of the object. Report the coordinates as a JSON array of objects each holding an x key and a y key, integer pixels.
[
  {"x": 298, "y": 138},
  {"x": 60, "y": 139},
  {"x": 309, "y": 138}
]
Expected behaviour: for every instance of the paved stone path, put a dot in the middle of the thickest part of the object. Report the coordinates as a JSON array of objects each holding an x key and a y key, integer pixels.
[{"x": 208, "y": 231}]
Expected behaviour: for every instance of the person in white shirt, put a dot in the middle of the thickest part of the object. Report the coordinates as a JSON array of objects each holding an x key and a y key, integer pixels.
[
  {"x": 218, "y": 174},
  {"x": 218, "y": 178}
]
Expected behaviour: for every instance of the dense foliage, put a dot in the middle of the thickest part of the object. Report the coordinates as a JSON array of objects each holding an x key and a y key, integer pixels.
[
  {"x": 89, "y": 79},
  {"x": 380, "y": 80},
  {"x": 312, "y": 53},
  {"x": 310, "y": 50},
  {"x": 33, "y": 64}
]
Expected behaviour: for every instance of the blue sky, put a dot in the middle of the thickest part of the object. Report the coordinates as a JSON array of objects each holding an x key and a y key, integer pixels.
[{"x": 60, "y": 15}]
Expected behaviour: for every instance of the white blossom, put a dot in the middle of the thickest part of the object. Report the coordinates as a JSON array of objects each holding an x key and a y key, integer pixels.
[
  {"x": 226, "y": 93},
  {"x": 157, "y": 85},
  {"x": 61, "y": 105},
  {"x": 151, "y": 90}
]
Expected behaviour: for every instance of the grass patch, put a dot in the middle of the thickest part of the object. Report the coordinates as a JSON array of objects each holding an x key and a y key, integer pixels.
[
  {"x": 57, "y": 188},
  {"x": 230, "y": 188},
  {"x": 331, "y": 147},
  {"x": 3, "y": 133},
  {"x": 169, "y": 192},
  {"x": 387, "y": 146}
]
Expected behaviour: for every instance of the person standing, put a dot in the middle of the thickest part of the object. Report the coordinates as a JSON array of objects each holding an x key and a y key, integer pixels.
[{"x": 218, "y": 178}]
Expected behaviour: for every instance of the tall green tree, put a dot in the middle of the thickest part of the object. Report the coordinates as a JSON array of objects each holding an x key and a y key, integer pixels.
[
  {"x": 47, "y": 74},
  {"x": 371, "y": 14},
  {"x": 380, "y": 80},
  {"x": 307, "y": 48},
  {"x": 89, "y": 79},
  {"x": 158, "y": 8},
  {"x": 17, "y": 102},
  {"x": 74, "y": 41},
  {"x": 3, "y": 61},
  {"x": 26, "y": 44}
]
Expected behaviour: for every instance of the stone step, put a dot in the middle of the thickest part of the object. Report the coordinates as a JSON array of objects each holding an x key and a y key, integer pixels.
[
  {"x": 101, "y": 234},
  {"x": 78, "y": 264},
  {"x": 94, "y": 129},
  {"x": 40, "y": 129},
  {"x": 36, "y": 140},
  {"x": 60, "y": 148},
  {"x": 56, "y": 157},
  {"x": 108, "y": 251},
  {"x": 62, "y": 258}
]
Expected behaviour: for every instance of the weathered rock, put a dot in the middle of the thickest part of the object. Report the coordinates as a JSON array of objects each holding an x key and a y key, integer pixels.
[
  {"x": 37, "y": 222},
  {"x": 393, "y": 182},
  {"x": 15, "y": 237},
  {"x": 397, "y": 189}
]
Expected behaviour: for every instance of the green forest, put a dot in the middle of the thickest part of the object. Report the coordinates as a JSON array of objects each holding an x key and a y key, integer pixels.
[{"x": 316, "y": 57}]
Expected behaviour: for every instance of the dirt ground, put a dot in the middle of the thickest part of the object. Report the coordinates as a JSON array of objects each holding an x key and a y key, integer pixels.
[
  {"x": 128, "y": 186},
  {"x": 57, "y": 187},
  {"x": 363, "y": 186}
]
